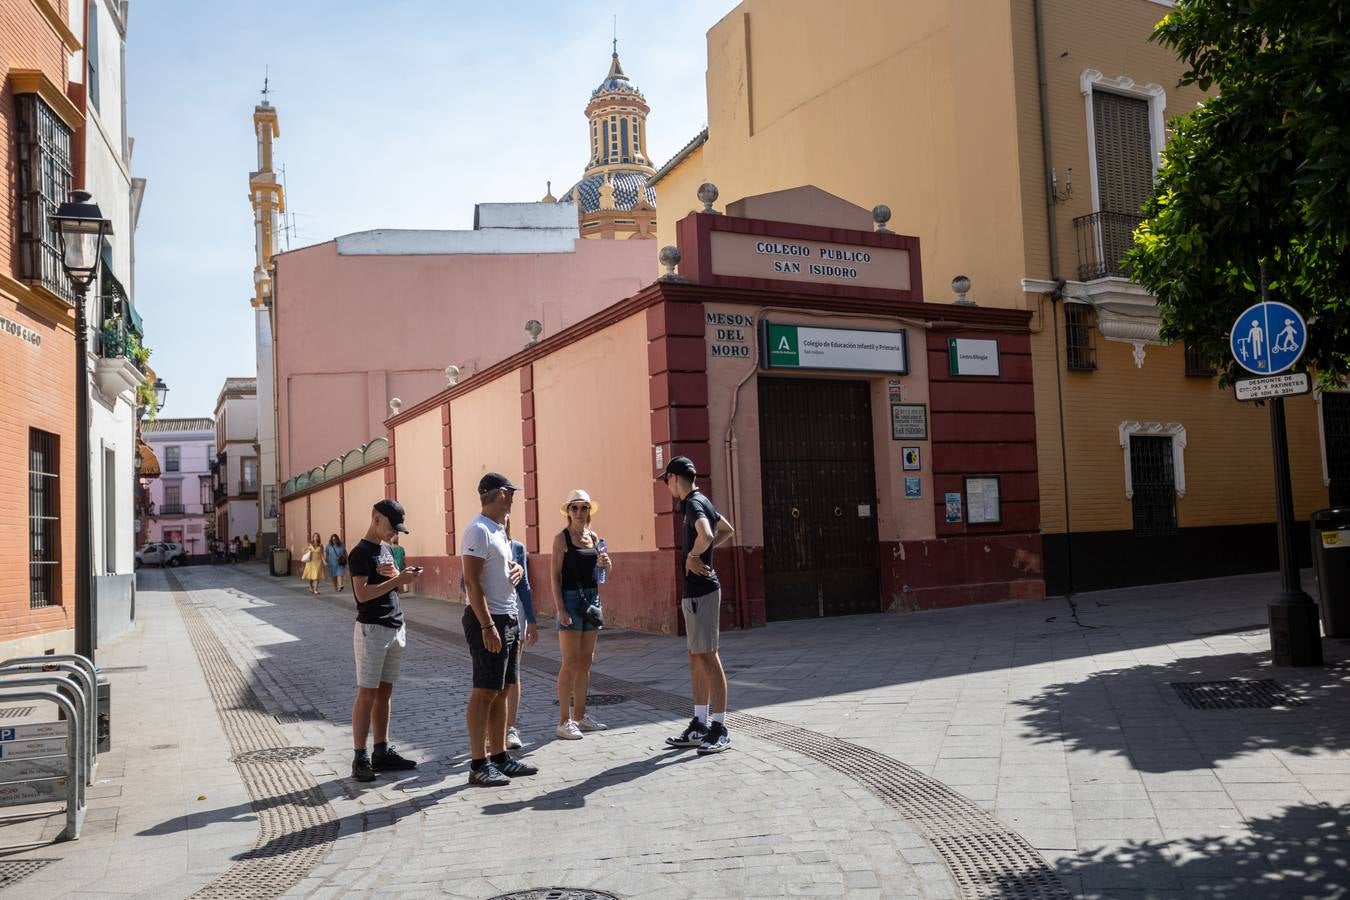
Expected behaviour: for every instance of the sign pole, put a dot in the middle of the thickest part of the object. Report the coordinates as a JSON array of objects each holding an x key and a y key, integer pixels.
[{"x": 1295, "y": 637}]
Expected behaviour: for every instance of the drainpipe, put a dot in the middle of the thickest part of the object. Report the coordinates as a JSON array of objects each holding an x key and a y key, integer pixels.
[{"x": 1056, "y": 295}]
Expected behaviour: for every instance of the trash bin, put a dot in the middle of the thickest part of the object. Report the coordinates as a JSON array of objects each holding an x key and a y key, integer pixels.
[
  {"x": 281, "y": 562},
  {"x": 1330, "y": 530}
]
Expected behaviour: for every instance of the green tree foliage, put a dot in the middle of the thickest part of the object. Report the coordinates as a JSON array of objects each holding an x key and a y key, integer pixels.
[{"x": 1258, "y": 173}]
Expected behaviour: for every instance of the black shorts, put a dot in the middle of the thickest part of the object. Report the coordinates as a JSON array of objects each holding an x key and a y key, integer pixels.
[{"x": 493, "y": 671}]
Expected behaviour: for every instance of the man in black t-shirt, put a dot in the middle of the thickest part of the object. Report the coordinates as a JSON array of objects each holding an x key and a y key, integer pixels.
[
  {"x": 378, "y": 639},
  {"x": 704, "y": 529}
]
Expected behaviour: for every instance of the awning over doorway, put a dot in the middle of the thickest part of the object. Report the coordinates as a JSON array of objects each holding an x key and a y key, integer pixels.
[{"x": 149, "y": 462}]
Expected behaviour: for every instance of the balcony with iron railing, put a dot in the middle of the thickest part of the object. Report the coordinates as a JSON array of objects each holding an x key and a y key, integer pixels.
[
  {"x": 1103, "y": 239},
  {"x": 175, "y": 510}
]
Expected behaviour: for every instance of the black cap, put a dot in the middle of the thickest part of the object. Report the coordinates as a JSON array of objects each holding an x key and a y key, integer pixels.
[
  {"x": 393, "y": 511},
  {"x": 682, "y": 466},
  {"x": 493, "y": 481}
]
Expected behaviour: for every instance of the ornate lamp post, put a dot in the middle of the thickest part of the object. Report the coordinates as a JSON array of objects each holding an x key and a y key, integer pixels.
[
  {"x": 161, "y": 389},
  {"x": 80, "y": 229}
]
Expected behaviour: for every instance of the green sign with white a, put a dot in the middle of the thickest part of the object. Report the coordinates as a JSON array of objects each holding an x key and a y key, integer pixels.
[{"x": 846, "y": 349}]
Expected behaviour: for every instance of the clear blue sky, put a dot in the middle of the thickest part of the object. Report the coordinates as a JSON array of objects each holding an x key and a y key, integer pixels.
[{"x": 396, "y": 114}]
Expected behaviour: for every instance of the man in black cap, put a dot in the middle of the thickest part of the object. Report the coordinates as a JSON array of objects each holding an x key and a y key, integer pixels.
[
  {"x": 704, "y": 529},
  {"x": 378, "y": 640},
  {"x": 492, "y": 631}
]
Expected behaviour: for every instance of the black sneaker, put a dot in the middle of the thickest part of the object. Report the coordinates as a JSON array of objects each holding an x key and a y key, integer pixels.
[
  {"x": 692, "y": 736},
  {"x": 361, "y": 769},
  {"x": 488, "y": 776},
  {"x": 391, "y": 761},
  {"x": 716, "y": 740},
  {"x": 514, "y": 768}
]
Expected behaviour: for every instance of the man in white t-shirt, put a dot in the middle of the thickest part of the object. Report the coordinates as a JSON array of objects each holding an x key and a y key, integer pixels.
[{"x": 492, "y": 631}]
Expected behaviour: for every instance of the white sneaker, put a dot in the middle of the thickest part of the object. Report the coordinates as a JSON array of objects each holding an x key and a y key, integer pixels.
[
  {"x": 589, "y": 724},
  {"x": 568, "y": 731},
  {"x": 513, "y": 741}
]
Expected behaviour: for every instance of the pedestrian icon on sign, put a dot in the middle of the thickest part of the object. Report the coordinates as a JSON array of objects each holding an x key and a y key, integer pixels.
[{"x": 1268, "y": 338}]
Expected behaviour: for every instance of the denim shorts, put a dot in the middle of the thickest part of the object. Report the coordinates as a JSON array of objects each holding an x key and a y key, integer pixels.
[{"x": 575, "y": 602}]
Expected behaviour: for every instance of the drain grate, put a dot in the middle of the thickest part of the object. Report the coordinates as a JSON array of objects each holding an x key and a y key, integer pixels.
[
  {"x": 980, "y": 864},
  {"x": 276, "y": 754},
  {"x": 1234, "y": 693},
  {"x": 300, "y": 715},
  {"x": 14, "y": 871},
  {"x": 16, "y": 712},
  {"x": 556, "y": 894}
]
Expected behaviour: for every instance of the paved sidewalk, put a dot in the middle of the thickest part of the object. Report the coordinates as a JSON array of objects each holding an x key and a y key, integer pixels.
[
  {"x": 151, "y": 827},
  {"x": 1060, "y": 721}
]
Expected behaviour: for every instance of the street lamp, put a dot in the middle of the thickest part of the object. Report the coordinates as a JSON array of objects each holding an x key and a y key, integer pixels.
[
  {"x": 80, "y": 230},
  {"x": 160, "y": 390}
]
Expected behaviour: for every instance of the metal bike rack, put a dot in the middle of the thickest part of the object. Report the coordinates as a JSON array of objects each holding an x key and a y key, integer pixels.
[
  {"x": 88, "y": 677},
  {"x": 52, "y": 730},
  {"x": 23, "y": 751}
]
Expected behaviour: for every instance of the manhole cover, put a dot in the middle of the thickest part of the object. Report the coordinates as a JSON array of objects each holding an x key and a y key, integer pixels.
[
  {"x": 276, "y": 754},
  {"x": 14, "y": 871},
  {"x": 300, "y": 715},
  {"x": 1234, "y": 694},
  {"x": 556, "y": 894},
  {"x": 15, "y": 712}
]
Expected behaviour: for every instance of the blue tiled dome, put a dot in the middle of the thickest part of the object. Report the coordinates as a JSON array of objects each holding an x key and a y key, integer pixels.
[{"x": 628, "y": 186}]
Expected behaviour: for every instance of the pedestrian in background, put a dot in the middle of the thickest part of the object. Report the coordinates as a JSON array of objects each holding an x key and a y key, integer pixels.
[
  {"x": 492, "y": 631},
  {"x": 245, "y": 549},
  {"x": 335, "y": 555},
  {"x": 578, "y": 563},
  {"x": 701, "y": 603},
  {"x": 313, "y": 560},
  {"x": 234, "y": 550},
  {"x": 400, "y": 558},
  {"x": 525, "y": 597},
  {"x": 378, "y": 640}
]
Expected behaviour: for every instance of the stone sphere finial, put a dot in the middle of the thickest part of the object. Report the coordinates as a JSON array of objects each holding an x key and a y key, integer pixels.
[
  {"x": 707, "y": 195},
  {"x": 670, "y": 258},
  {"x": 881, "y": 214},
  {"x": 961, "y": 284}
]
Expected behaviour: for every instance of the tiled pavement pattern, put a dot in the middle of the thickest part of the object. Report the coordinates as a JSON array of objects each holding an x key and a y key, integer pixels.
[
  {"x": 618, "y": 812},
  {"x": 1059, "y": 721}
]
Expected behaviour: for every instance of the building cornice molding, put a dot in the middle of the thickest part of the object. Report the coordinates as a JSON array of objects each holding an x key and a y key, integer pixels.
[
  {"x": 35, "y": 81},
  {"x": 58, "y": 25},
  {"x": 37, "y": 299}
]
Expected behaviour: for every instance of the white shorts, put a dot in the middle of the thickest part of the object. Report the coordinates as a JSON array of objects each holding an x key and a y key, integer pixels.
[{"x": 379, "y": 653}]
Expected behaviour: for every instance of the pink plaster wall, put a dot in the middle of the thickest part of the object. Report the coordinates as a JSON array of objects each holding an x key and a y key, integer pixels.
[
  {"x": 296, "y": 522},
  {"x": 362, "y": 493},
  {"x": 352, "y": 332},
  {"x": 898, "y": 518},
  {"x": 592, "y": 413},
  {"x": 421, "y": 490},
  {"x": 485, "y": 437}
]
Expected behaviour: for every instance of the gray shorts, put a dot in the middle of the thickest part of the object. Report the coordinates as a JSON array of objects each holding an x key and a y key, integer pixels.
[
  {"x": 379, "y": 653},
  {"x": 703, "y": 621}
]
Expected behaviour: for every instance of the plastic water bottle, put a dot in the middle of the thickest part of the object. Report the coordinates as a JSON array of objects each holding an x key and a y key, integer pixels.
[{"x": 599, "y": 572}]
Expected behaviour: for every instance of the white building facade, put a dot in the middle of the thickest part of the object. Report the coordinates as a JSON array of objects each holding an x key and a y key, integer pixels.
[
  {"x": 181, "y": 507},
  {"x": 116, "y": 360},
  {"x": 235, "y": 469}
]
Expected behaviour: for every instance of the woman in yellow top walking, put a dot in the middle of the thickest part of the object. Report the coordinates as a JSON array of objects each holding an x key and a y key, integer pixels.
[{"x": 314, "y": 563}]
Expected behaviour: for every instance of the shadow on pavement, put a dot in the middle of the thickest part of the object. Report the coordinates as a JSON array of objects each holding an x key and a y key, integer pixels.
[
  {"x": 1301, "y": 852},
  {"x": 574, "y": 796},
  {"x": 1135, "y": 713}
]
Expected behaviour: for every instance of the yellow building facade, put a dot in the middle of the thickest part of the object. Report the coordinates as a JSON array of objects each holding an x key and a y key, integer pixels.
[{"x": 1017, "y": 140}]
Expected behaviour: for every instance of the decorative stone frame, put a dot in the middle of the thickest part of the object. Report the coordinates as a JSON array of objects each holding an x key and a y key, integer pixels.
[{"x": 1175, "y": 430}]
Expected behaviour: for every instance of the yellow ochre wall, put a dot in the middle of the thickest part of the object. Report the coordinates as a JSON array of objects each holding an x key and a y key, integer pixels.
[
  {"x": 485, "y": 437},
  {"x": 360, "y": 494},
  {"x": 324, "y": 508},
  {"x": 593, "y": 430}
]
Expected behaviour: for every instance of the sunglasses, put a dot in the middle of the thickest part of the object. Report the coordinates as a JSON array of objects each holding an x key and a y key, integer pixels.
[{"x": 579, "y": 507}]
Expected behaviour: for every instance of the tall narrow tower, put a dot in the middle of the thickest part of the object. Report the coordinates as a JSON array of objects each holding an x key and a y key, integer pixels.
[
  {"x": 613, "y": 199},
  {"x": 268, "y": 201}
]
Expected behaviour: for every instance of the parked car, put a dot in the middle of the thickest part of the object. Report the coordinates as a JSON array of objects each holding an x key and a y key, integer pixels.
[{"x": 161, "y": 553}]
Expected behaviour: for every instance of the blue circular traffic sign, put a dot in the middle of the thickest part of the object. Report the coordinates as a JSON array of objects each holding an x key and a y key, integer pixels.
[{"x": 1268, "y": 338}]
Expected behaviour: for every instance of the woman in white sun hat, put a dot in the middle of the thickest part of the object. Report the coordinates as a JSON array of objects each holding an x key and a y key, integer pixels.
[{"x": 580, "y": 564}]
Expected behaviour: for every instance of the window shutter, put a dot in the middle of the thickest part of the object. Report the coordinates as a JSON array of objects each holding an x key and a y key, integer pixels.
[{"x": 1124, "y": 151}]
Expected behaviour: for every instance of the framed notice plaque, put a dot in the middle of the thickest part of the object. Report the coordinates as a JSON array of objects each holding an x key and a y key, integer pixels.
[
  {"x": 909, "y": 421},
  {"x": 982, "y": 500}
]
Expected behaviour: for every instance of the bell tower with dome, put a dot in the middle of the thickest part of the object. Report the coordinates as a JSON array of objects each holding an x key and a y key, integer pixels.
[{"x": 613, "y": 198}]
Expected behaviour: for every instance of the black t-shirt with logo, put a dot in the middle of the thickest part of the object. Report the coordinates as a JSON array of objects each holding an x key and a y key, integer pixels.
[
  {"x": 696, "y": 506},
  {"x": 364, "y": 560}
]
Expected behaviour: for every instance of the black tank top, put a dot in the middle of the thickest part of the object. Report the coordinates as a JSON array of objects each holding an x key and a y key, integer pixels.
[{"x": 578, "y": 571}]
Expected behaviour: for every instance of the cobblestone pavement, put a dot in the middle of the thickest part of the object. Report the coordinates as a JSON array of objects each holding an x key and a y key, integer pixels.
[{"x": 1058, "y": 719}]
